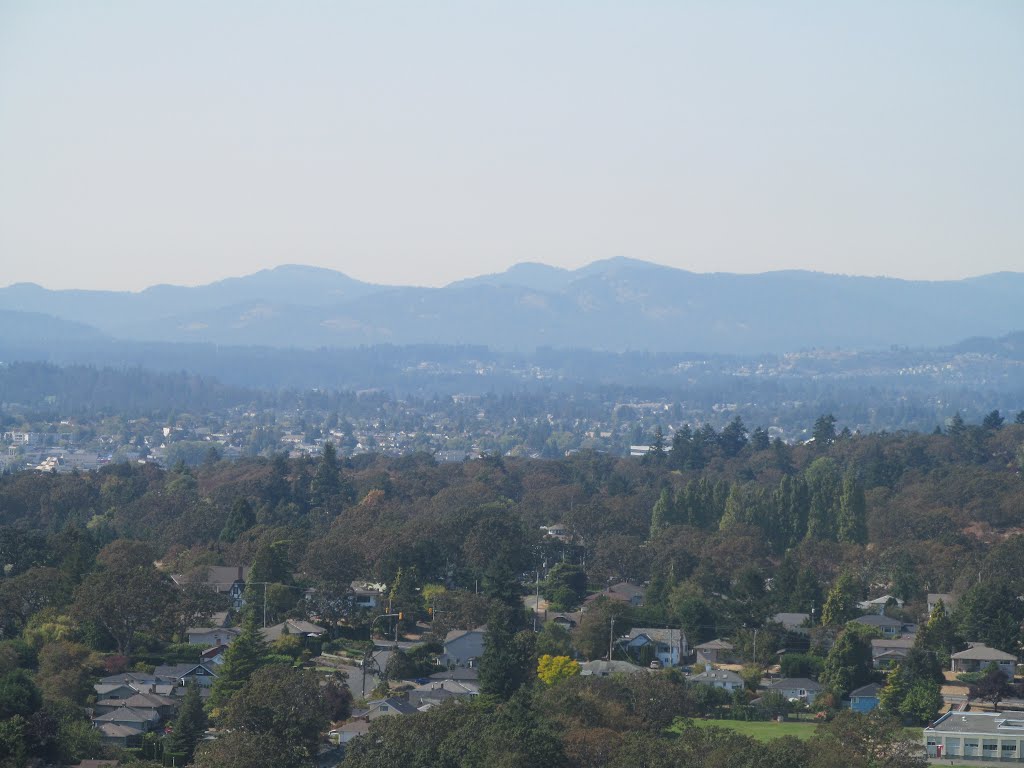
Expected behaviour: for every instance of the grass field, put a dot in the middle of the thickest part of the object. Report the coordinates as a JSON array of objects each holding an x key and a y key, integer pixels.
[{"x": 762, "y": 731}]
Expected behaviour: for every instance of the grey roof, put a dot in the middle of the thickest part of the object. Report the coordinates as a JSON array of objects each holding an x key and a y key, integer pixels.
[
  {"x": 991, "y": 723},
  {"x": 605, "y": 668},
  {"x": 140, "y": 701},
  {"x": 399, "y": 705},
  {"x": 118, "y": 731},
  {"x": 128, "y": 715},
  {"x": 790, "y": 620},
  {"x": 878, "y": 620},
  {"x": 871, "y": 689},
  {"x": 667, "y": 636},
  {"x": 712, "y": 676},
  {"x": 177, "y": 671},
  {"x": 459, "y": 673},
  {"x": 878, "y": 644},
  {"x": 714, "y": 645},
  {"x": 789, "y": 683},
  {"x": 455, "y": 634},
  {"x": 128, "y": 678},
  {"x": 981, "y": 652},
  {"x": 295, "y": 627}
]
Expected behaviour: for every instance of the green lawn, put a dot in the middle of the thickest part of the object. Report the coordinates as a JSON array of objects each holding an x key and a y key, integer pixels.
[{"x": 762, "y": 731}]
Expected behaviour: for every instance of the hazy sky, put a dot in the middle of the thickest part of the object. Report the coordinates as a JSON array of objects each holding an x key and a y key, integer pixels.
[{"x": 420, "y": 142}]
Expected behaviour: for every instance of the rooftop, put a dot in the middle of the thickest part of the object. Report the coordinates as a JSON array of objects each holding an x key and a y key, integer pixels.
[{"x": 996, "y": 723}]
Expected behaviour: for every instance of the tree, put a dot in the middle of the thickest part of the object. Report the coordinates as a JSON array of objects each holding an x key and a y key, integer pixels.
[
  {"x": 938, "y": 636},
  {"x": 508, "y": 660},
  {"x": 662, "y": 512},
  {"x": 993, "y": 421},
  {"x": 824, "y": 430},
  {"x": 733, "y": 438},
  {"x": 285, "y": 703},
  {"x": 189, "y": 726},
  {"x": 823, "y": 486},
  {"x": 911, "y": 695},
  {"x": 841, "y": 603},
  {"x": 243, "y": 657},
  {"x": 65, "y": 671},
  {"x": 18, "y": 695},
  {"x": 125, "y": 598},
  {"x": 852, "y": 740},
  {"x": 552, "y": 669},
  {"x": 565, "y": 586},
  {"x": 993, "y": 687},
  {"x": 848, "y": 664},
  {"x": 240, "y": 519},
  {"x": 852, "y": 522},
  {"x": 591, "y": 635}
]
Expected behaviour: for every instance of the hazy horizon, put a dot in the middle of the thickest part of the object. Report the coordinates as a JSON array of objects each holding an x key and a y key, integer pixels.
[
  {"x": 418, "y": 144},
  {"x": 298, "y": 265}
]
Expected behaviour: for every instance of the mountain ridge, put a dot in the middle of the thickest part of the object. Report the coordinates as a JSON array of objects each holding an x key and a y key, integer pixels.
[{"x": 612, "y": 304}]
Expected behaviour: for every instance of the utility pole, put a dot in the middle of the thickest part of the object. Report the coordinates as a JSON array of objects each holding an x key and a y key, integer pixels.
[
  {"x": 611, "y": 641},
  {"x": 536, "y": 603}
]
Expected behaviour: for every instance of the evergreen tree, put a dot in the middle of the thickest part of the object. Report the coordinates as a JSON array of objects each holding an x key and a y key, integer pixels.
[
  {"x": 993, "y": 421},
  {"x": 656, "y": 453},
  {"x": 824, "y": 430},
  {"x": 823, "y": 485},
  {"x": 326, "y": 482},
  {"x": 841, "y": 603},
  {"x": 852, "y": 524},
  {"x": 848, "y": 664},
  {"x": 240, "y": 519},
  {"x": 509, "y": 657},
  {"x": 759, "y": 439},
  {"x": 663, "y": 512},
  {"x": 243, "y": 657},
  {"x": 189, "y": 726}
]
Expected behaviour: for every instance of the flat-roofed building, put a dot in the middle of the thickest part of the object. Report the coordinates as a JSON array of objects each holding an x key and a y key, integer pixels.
[{"x": 980, "y": 735}]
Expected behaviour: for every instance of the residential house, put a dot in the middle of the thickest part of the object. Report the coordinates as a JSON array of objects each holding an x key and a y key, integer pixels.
[
  {"x": 292, "y": 627},
  {"x": 124, "y": 725},
  {"x": 164, "y": 706},
  {"x": 223, "y": 579},
  {"x": 801, "y": 688},
  {"x": 623, "y": 592},
  {"x": 367, "y": 595},
  {"x": 714, "y": 652},
  {"x": 387, "y": 707},
  {"x": 889, "y": 627},
  {"x": 865, "y": 698},
  {"x": 994, "y": 736},
  {"x": 465, "y": 678},
  {"x": 181, "y": 674},
  {"x": 462, "y": 647},
  {"x": 793, "y": 622},
  {"x": 666, "y": 645},
  {"x": 345, "y": 733},
  {"x": 718, "y": 678},
  {"x": 888, "y": 651},
  {"x": 213, "y": 655},
  {"x": 602, "y": 668},
  {"x": 978, "y": 656},
  {"x": 879, "y": 604},
  {"x": 212, "y": 635}
]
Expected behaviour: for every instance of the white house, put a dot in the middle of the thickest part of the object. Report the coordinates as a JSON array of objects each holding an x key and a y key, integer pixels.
[
  {"x": 718, "y": 678},
  {"x": 978, "y": 656},
  {"x": 802, "y": 688},
  {"x": 668, "y": 645}
]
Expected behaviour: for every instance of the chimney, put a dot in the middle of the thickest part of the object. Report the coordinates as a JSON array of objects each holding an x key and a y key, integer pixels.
[{"x": 240, "y": 573}]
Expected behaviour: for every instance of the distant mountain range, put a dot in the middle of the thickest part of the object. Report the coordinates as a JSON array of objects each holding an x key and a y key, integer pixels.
[{"x": 616, "y": 304}]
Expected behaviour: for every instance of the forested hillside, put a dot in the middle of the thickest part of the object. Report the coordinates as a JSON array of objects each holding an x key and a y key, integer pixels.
[{"x": 722, "y": 529}]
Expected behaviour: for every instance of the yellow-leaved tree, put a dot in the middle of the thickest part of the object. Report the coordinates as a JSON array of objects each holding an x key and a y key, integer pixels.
[{"x": 551, "y": 669}]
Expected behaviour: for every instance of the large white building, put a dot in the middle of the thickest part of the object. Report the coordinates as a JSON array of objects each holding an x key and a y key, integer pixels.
[{"x": 985, "y": 735}]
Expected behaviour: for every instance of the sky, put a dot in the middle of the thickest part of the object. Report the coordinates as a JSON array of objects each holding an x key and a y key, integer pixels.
[{"x": 419, "y": 143}]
